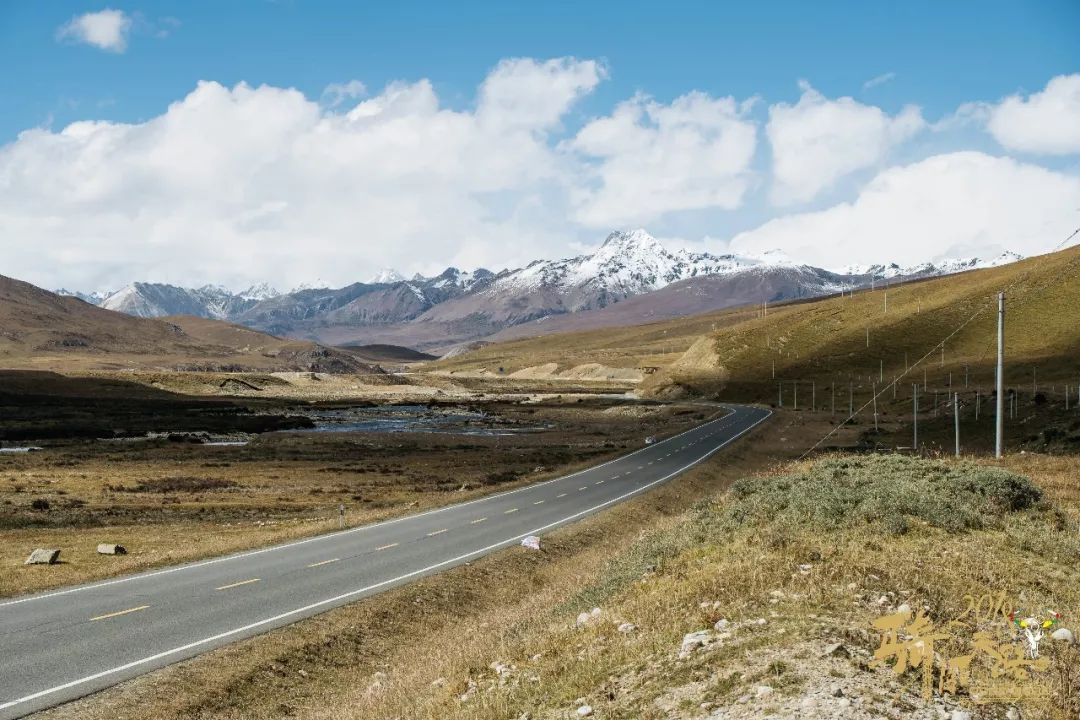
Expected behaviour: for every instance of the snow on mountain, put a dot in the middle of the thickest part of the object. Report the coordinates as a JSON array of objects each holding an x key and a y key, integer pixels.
[
  {"x": 94, "y": 298},
  {"x": 262, "y": 291},
  {"x": 628, "y": 263},
  {"x": 387, "y": 276},
  {"x": 941, "y": 266}
]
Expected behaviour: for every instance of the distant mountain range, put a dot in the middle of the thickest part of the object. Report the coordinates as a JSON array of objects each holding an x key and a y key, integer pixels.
[{"x": 631, "y": 278}]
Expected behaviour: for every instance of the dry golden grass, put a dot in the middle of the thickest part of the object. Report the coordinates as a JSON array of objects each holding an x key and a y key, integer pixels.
[{"x": 277, "y": 488}]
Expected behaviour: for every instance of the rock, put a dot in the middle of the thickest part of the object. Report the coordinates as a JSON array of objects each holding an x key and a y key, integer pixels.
[
  {"x": 380, "y": 676},
  {"x": 836, "y": 691},
  {"x": 596, "y": 612},
  {"x": 532, "y": 542},
  {"x": 584, "y": 711},
  {"x": 904, "y": 608},
  {"x": 763, "y": 691},
  {"x": 693, "y": 641},
  {"x": 582, "y": 619},
  {"x": 960, "y": 715},
  {"x": 111, "y": 549},
  {"x": 43, "y": 556},
  {"x": 722, "y": 625},
  {"x": 761, "y": 621},
  {"x": 1064, "y": 635},
  {"x": 1012, "y": 714},
  {"x": 805, "y": 568},
  {"x": 627, "y": 627},
  {"x": 836, "y": 650},
  {"x": 438, "y": 682}
]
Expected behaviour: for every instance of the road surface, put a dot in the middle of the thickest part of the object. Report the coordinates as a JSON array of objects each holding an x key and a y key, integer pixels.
[{"x": 61, "y": 645}]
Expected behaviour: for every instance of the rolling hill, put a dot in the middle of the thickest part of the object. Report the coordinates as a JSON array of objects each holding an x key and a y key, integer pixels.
[{"x": 42, "y": 330}]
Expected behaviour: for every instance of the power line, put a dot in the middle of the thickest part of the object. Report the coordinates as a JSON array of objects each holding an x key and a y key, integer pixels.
[{"x": 940, "y": 344}]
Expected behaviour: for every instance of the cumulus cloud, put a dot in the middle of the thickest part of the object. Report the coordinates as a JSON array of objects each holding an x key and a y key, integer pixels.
[
  {"x": 953, "y": 205},
  {"x": 1046, "y": 122},
  {"x": 647, "y": 158},
  {"x": 818, "y": 141},
  {"x": 106, "y": 30},
  {"x": 240, "y": 184}
]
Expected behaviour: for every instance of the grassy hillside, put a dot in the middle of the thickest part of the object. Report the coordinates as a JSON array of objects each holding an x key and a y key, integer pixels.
[{"x": 859, "y": 339}]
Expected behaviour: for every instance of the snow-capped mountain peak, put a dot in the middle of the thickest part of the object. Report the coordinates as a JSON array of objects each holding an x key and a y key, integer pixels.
[
  {"x": 261, "y": 291},
  {"x": 387, "y": 276}
]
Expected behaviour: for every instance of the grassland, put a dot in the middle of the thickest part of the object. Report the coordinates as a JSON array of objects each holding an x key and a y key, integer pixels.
[{"x": 170, "y": 500}]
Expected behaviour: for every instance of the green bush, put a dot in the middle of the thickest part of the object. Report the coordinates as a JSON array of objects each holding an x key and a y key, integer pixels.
[{"x": 886, "y": 490}]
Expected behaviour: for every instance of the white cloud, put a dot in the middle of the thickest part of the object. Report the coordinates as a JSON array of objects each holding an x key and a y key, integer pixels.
[
  {"x": 879, "y": 80},
  {"x": 243, "y": 184},
  {"x": 648, "y": 159},
  {"x": 954, "y": 205},
  {"x": 337, "y": 93},
  {"x": 1046, "y": 122},
  {"x": 817, "y": 141},
  {"x": 105, "y": 30},
  {"x": 525, "y": 94}
]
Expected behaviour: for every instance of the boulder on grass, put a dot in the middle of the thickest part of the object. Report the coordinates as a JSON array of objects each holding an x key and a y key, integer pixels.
[
  {"x": 111, "y": 549},
  {"x": 43, "y": 556}
]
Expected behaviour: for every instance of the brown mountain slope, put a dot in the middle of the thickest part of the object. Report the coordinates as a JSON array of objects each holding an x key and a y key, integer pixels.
[{"x": 39, "y": 329}]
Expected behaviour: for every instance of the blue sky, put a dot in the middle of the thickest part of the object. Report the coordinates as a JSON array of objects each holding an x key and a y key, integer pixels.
[
  {"x": 941, "y": 53},
  {"x": 817, "y": 128}
]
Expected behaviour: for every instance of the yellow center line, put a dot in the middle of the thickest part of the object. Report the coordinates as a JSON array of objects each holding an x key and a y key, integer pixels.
[
  {"x": 538, "y": 502},
  {"x": 238, "y": 584},
  {"x": 561, "y": 495},
  {"x": 387, "y": 547},
  {"x": 510, "y": 511},
  {"x": 478, "y": 520},
  {"x": 121, "y": 612},
  {"x": 437, "y": 532},
  {"x": 324, "y": 562}
]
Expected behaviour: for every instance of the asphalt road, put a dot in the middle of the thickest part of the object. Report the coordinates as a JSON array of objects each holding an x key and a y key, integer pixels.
[{"x": 61, "y": 645}]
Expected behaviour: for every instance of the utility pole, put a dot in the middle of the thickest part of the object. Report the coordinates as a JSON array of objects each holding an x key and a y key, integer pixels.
[
  {"x": 915, "y": 416},
  {"x": 966, "y": 368},
  {"x": 773, "y": 369},
  {"x": 942, "y": 353},
  {"x": 832, "y": 389},
  {"x": 881, "y": 371},
  {"x": 850, "y": 400},
  {"x": 780, "y": 385},
  {"x": 956, "y": 419},
  {"x": 867, "y": 336},
  {"x": 813, "y": 396},
  {"x": 875, "y": 409},
  {"x": 999, "y": 430},
  {"x": 978, "y": 402},
  {"x": 795, "y": 389}
]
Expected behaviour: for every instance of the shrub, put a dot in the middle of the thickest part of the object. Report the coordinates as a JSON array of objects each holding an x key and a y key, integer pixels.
[
  {"x": 40, "y": 504},
  {"x": 888, "y": 490}
]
